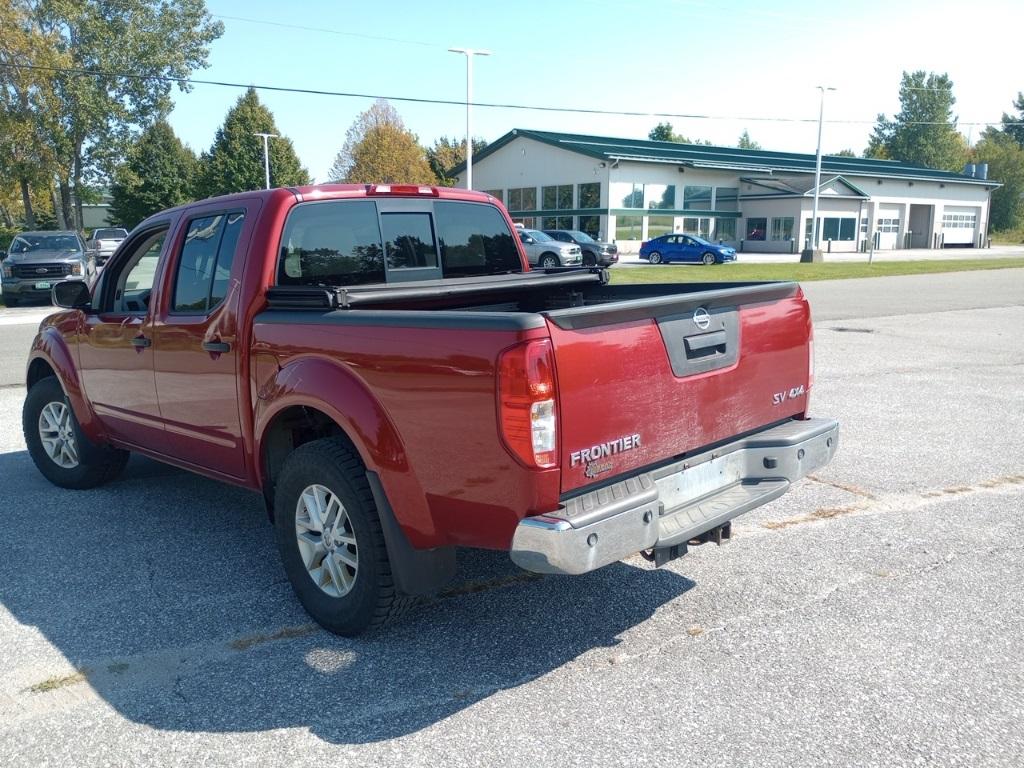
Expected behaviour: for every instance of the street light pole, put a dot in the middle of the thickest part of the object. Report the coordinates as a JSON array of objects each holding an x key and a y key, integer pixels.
[
  {"x": 469, "y": 53},
  {"x": 817, "y": 175},
  {"x": 266, "y": 154}
]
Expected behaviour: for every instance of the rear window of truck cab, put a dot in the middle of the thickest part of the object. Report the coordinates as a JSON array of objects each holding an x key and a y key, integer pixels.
[{"x": 351, "y": 242}]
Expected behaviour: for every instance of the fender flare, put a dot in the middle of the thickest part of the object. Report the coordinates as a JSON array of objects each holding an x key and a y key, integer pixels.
[
  {"x": 50, "y": 347},
  {"x": 336, "y": 391}
]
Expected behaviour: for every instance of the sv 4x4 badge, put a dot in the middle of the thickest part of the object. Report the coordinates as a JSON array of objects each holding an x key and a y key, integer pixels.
[{"x": 780, "y": 397}]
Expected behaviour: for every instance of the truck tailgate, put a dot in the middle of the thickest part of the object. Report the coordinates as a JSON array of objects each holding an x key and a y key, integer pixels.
[{"x": 645, "y": 380}]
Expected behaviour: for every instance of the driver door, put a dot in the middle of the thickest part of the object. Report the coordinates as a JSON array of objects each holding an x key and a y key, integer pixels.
[{"x": 115, "y": 350}]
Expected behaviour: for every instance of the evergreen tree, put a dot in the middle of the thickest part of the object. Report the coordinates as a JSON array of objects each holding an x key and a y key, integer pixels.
[
  {"x": 924, "y": 131},
  {"x": 379, "y": 150},
  {"x": 745, "y": 142},
  {"x": 447, "y": 153},
  {"x": 159, "y": 173},
  {"x": 1013, "y": 125},
  {"x": 235, "y": 161},
  {"x": 1005, "y": 158},
  {"x": 665, "y": 132}
]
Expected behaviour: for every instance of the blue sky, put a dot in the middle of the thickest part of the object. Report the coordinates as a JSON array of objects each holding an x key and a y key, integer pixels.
[{"x": 728, "y": 59}]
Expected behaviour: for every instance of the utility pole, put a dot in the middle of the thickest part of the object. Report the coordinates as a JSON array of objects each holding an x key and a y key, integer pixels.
[
  {"x": 469, "y": 53},
  {"x": 809, "y": 253},
  {"x": 266, "y": 154}
]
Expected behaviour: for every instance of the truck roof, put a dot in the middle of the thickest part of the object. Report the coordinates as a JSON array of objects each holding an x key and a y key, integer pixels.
[{"x": 310, "y": 192}]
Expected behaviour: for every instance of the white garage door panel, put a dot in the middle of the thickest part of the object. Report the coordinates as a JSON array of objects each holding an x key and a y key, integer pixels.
[{"x": 959, "y": 223}]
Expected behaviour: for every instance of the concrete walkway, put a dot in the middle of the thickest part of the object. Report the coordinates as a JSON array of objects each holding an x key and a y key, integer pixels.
[{"x": 911, "y": 254}]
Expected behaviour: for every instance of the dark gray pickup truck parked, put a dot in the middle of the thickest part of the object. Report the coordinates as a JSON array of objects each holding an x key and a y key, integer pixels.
[
  {"x": 595, "y": 252},
  {"x": 37, "y": 260}
]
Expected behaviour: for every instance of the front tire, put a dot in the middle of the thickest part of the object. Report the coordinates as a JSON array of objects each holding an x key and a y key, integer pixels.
[
  {"x": 549, "y": 261},
  {"x": 708, "y": 259},
  {"x": 654, "y": 258},
  {"x": 10, "y": 301},
  {"x": 331, "y": 542},
  {"x": 59, "y": 449}
]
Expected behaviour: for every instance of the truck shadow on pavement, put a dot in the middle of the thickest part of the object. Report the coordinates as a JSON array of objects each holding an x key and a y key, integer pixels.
[{"x": 163, "y": 590}]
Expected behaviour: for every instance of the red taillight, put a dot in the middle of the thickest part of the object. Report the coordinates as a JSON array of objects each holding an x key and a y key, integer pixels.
[
  {"x": 400, "y": 189},
  {"x": 526, "y": 403}
]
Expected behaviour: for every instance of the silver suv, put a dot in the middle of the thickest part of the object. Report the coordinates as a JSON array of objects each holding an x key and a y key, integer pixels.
[
  {"x": 104, "y": 242},
  {"x": 545, "y": 252},
  {"x": 37, "y": 260}
]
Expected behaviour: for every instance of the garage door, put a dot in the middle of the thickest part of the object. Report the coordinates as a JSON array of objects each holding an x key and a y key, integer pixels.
[
  {"x": 959, "y": 225},
  {"x": 887, "y": 226}
]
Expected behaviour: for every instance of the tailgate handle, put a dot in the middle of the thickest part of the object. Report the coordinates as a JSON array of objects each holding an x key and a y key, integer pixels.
[{"x": 713, "y": 343}]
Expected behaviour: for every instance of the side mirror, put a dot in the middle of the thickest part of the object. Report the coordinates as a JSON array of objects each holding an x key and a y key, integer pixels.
[
  {"x": 530, "y": 241},
  {"x": 3, "y": 255},
  {"x": 71, "y": 294}
]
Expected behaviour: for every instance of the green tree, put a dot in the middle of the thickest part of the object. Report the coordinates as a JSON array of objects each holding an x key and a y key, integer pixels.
[
  {"x": 445, "y": 153},
  {"x": 665, "y": 132},
  {"x": 1005, "y": 158},
  {"x": 845, "y": 153},
  {"x": 235, "y": 161},
  {"x": 1013, "y": 125},
  {"x": 28, "y": 108},
  {"x": 745, "y": 142},
  {"x": 924, "y": 131},
  {"x": 96, "y": 115},
  {"x": 159, "y": 173},
  {"x": 378, "y": 149}
]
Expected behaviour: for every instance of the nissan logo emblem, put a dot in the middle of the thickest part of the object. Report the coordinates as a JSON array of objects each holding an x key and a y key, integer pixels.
[{"x": 701, "y": 318}]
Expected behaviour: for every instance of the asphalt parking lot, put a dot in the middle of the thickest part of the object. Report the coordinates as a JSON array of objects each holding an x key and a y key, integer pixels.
[{"x": 872, "y": 616}]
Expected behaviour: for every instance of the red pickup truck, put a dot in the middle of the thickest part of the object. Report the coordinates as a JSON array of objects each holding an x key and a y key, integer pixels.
[{"x": 381, "y": 363}]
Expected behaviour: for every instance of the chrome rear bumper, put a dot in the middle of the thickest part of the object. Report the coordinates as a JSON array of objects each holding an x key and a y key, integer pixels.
[{"x": 673, "y": 504}]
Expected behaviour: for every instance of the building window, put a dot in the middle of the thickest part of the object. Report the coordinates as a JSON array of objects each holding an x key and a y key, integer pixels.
[
  {"x": 557, "y": 198},
  {"x": 590, "y": 196},
  {"x": 756, "y": 229},
  {"x": 660, "y": 196},
  {"x": 888, "y": 225},
  {"x": 697, "y": 226},
  {"x": 658, "y": 226},
  {"x": 591, "y": 225},
  {"x": 697, "y": 198},
  {"x": 726, "y": 198},
  {"x": 556, "y": 222},
  {"x": 725, "y": 229},
  {"x": 836, "y": 228},
  {"x": 864, "y": 225},
  {"x": 631, "y": 195},
  {"x": 495, "y": 193},
  {"x": 528, "y": 222},
  {"x": 628, "y": 227},
  {"x": 522, "y": 199},
  {"x": 782, "y": 228}
]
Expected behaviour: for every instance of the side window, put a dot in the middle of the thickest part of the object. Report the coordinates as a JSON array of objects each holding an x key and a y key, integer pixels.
[
  {"x": 475, "y": 240},
  {"x": 205, "y": 264},
  {"x": 409, "y": 240},
  {"x": 332, "y": 243},
  {"x": 135, "y": 280}
]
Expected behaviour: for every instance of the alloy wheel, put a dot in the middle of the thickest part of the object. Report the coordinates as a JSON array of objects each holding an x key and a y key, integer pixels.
[
  {"x": 57, "y": 434},
  {"x": 327, "y": 541}
]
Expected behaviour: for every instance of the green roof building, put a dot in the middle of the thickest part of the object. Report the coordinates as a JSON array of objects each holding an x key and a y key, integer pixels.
[{"x": 631, "y": 190}]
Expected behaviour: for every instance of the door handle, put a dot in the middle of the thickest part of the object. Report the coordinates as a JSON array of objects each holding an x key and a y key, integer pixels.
[
  {"x": 141, "y": 342},
  {"x": 216, "y": 346}
]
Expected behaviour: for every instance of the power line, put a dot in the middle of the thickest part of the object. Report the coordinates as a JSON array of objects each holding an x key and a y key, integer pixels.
[{"x": 455, "y": 102}]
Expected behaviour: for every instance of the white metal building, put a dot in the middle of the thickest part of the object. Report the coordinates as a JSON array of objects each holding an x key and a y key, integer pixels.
[{"x": 630, "y": 190}]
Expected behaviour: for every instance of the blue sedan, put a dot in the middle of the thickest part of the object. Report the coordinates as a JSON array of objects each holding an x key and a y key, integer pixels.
[{"x": 669, "y": 248}]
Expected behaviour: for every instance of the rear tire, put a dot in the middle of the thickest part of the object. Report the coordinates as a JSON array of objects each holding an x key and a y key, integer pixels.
[
  {"x": 10, "y": 301},
  {"x": 549, "y": 261},
  {"x": 60, "y": 451},
  {"x": 330, "y": 539},
  {"x": 654, "y": 258},
  {"x": 708, "y": 259}
]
